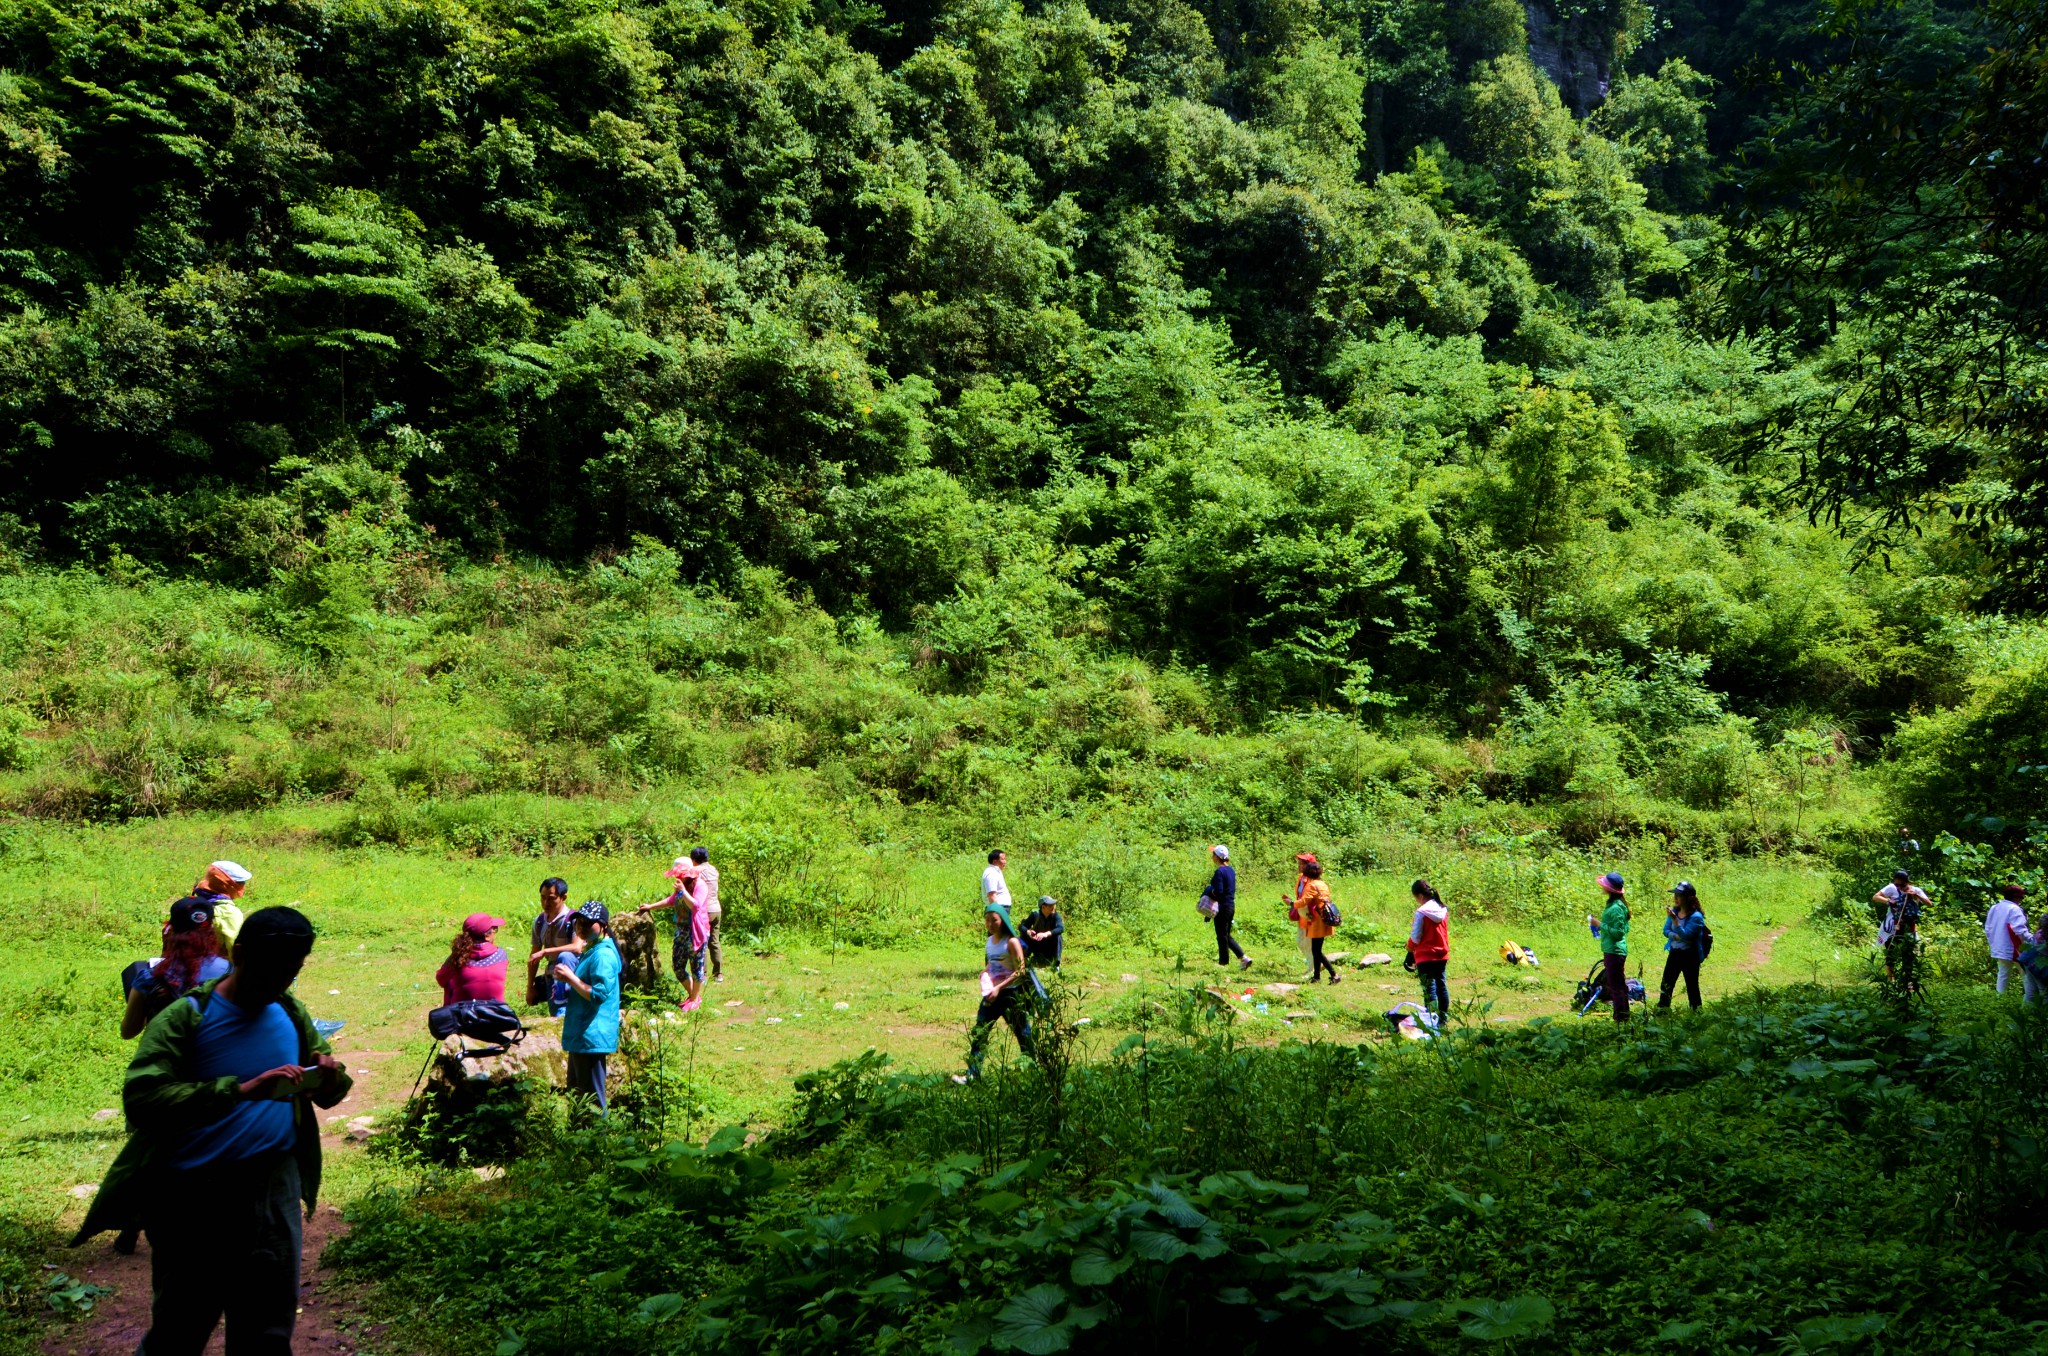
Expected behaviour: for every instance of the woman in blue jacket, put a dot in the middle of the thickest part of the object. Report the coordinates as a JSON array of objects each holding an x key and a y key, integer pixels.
[
  {"x": 1222, "y": 892},
  {"x": 1684, "y": 927}
]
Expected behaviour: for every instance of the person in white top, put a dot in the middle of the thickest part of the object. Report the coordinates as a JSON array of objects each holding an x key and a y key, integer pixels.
[
  {"x": 995, "y": 891},
  {"x": 707, "y": 881},
  {"x": 2005, "y": 928}
]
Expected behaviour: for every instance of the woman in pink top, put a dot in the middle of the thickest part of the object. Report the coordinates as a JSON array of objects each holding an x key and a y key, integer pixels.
[
  {"x": 475, "y": 967},
  {"x": 693, "y": 928}
]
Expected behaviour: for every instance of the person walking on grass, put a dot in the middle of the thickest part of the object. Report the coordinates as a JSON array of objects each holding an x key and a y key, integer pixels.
[
  {"x": 995, "y": 889},
  {"x": 193, "y": 955},
  {"x": 1045, "y": 934},
  {"x": 553, "y": 937},
  {"x": 1003, "y": 992},
  {"x": 476, "y": 964},
  {"x": 1302, "y": 862},
  {"x": 707, "y": 881},
  {"x": 1429, "y": 947},
  {"x": 1685, "y": 929},
  {"x": 1311, "y": 913},
  {"x": 693, "y": 929},
  {"x": 1222, "y": 892},
  {"x": 1899, "y": 934},
  {"x": 223, "y": 1149},
  {"x": 590, "y": 1028},
  {"x": 2005, "y": 928},
  {"x": 1611, "y": 927}
]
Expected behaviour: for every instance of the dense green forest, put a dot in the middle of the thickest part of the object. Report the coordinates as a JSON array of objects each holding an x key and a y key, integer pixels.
[{"x": 1626, "y": 415}]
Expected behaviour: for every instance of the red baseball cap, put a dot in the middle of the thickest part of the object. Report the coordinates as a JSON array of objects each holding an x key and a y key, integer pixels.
[{"x": 480, "y": 924}]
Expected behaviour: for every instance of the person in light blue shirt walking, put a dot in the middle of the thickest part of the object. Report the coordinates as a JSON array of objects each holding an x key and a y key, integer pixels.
[{"x": 590, "y": 1027}]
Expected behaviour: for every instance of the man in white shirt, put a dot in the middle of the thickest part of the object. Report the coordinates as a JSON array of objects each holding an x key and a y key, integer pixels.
[
  {"x": 995, "y": 891},
  {"x": 2005, "y": 928}
]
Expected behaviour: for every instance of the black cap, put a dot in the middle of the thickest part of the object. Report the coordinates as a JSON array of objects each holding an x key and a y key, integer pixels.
[
  {"x": 191, "y": 912},
  {"x": 275, "y": 924},
  {"x": 596, "y": 913}
]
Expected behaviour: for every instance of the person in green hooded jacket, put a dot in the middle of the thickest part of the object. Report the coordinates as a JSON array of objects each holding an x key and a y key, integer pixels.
[
  {"x": 224, "y": 1148},
  {"x": 1612, "y": 930}
]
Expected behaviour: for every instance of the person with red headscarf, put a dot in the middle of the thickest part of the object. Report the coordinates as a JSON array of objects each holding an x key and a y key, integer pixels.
[
  {"x": 193, "y": 955},
  {"x": 476, "y": 964}
]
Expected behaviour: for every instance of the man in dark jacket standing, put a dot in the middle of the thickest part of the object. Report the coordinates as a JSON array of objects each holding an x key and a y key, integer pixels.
[
  {"x": 1222, "y": 892},
  {"x": 224, "y": 1148}
]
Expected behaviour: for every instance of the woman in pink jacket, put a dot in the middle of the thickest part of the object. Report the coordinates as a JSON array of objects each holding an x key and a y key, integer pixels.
[
  {"x": 693, "y": 928},
  {"x": 476, "y": 964},
  {"x": 1429, "y": 947}
]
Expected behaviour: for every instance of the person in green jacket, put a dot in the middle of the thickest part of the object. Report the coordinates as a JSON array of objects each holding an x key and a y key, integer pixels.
[
  {"x": 1611, "y": 927},
  {"x": 224, "y": 1149}
]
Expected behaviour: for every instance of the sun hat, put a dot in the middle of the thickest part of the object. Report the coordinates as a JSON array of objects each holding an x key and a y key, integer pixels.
[
  {"x": 1306, "y": 857},
  {"x": 1002, "y": 911},
  {"x": 680, "y": 868},
  {"x": 1220, "y": 853},
  {"x": 1612, "y": 880},
  {"x": 233, "y": 872},
  {"x": 480, "y": 924}
]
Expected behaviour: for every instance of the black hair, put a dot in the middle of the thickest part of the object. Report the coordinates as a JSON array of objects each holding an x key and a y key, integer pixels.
[
  {"x": 275, "y": 936},
  {"x": 1313, "y": 870},
  {"x": 2013, "y": 890},
  {"x": 1425, "y": 889},
  {"x": 1902, "y": 875},
  {"x": 700, "y": 855},
  {"x": 557, "y": 884},
  {"x": 994, "y": 853}
]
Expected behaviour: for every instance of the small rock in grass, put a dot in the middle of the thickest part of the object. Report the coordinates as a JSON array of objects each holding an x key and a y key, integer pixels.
[
  {"x": 105, "y": 1114},
  {"x": 771, "y": 1021},
  {"x": 736, "y": 1002},
  {"x": 1376, "y": 958},
  {"x": 1282, "y": 990},
  {"x": 85, "y": 1190},
  {"x": 841, "y": 1007},
  {"x": 1129, "y": 979},
  {"x": 490, "y": 1173},
  {"x": 807, "y": 969}
]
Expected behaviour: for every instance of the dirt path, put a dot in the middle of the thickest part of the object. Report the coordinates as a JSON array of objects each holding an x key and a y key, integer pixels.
[
  {"x": 1760, "y": 949},
  {"x": 330, "y": 1323}
]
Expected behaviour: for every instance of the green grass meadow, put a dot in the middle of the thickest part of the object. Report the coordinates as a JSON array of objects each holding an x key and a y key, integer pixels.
[{"x": 794, "y": 999}]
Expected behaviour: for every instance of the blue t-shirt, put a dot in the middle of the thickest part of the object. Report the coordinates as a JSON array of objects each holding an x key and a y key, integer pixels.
[
  {"x": 591, "y": 1025},
  {"x": 244, "y": 1044}
]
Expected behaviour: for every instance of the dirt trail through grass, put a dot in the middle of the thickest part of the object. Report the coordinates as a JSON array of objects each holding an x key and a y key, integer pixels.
[
  {"x": 1760, "y": 949},
  {"x": 330, "y": 1319}
]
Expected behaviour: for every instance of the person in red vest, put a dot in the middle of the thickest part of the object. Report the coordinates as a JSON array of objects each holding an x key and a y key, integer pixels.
[{"x": 1429, "y": 947}]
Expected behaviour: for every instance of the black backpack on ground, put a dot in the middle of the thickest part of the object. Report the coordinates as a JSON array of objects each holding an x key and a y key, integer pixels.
[{"x": 478, "y": 1019}]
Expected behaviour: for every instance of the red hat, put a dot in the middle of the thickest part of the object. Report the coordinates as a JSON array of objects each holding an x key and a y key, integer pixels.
[
  {"x": 1306, "y": 857},
  {"x": 480, "y": 924}
]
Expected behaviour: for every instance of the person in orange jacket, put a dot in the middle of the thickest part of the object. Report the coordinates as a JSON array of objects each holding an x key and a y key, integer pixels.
[
  {"x": 1307, "y": 911},
  {"x": 1429, "y": 947}
]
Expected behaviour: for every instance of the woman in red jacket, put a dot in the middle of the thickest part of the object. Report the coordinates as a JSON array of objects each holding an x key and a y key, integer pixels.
[{"x": 1429, "y": 947}]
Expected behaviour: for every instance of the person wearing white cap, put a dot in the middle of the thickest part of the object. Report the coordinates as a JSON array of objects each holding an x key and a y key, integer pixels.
[
  {"x": 222, "y": 883},
  {"x": 1222, "y": 893}
]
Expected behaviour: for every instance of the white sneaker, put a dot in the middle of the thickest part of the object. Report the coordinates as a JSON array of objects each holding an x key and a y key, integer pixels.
[{"x": 962, "y": 1079}]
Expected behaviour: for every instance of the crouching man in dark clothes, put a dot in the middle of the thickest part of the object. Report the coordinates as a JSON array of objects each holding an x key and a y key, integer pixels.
[{"x": 223, "y": 1147}]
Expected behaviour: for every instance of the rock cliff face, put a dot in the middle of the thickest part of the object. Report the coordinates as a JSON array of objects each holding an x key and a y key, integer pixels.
[{"x": 1576, "y": 60}]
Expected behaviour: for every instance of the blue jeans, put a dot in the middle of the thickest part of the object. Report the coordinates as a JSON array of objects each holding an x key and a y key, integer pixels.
[
  {"x": 1436, "y": 990},
  {"x": 1013, "y": 1007}
]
